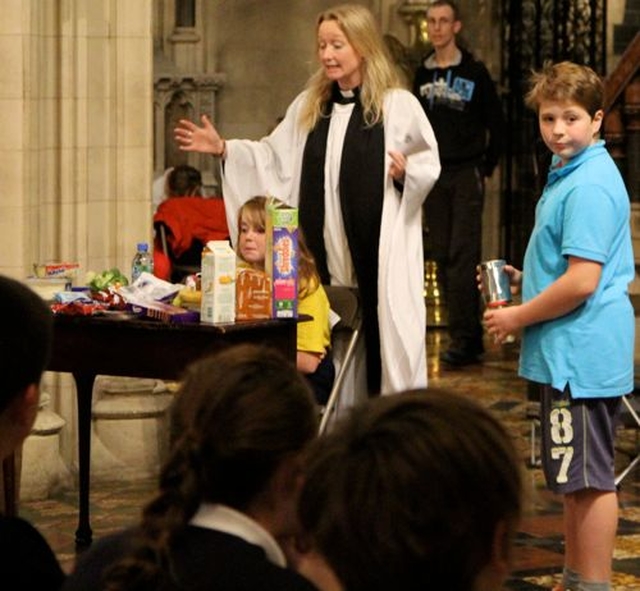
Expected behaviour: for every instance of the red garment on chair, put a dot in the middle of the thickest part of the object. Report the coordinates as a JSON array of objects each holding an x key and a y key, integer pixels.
[
  {"x": 192, "y": 218},
  {"x": 161, "y": 264}
]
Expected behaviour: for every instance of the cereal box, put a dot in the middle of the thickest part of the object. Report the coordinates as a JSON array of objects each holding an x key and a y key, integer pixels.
[
  {"x": 218, "y": 283},
  {"x": 281, "y": 262}
]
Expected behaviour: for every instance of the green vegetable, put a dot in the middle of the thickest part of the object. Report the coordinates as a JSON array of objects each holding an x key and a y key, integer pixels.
[{"x": 106, "y": 279}]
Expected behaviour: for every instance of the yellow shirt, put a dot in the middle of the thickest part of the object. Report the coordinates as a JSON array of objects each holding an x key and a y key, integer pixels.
[{"x": 314, "y": 335}]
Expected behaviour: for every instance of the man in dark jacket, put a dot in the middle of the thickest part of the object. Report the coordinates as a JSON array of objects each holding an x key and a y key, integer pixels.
[{"x": 462, "y": 104}]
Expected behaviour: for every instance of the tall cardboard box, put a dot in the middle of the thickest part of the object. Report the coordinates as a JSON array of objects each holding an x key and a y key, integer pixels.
[
  {"x": 281, "y": 262},
  {"x": 218, "y": 283}
]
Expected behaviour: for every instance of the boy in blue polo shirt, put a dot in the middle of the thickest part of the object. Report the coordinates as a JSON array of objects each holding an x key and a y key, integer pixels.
[{"x": 578, "y": 322}]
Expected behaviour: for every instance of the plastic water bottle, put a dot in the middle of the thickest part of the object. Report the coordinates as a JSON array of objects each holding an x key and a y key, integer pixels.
[{"x": 143, "y": 261}]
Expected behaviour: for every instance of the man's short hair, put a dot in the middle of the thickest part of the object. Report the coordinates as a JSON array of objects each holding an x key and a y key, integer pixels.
[
  {"x": 26, "y": 335},
  {"x": 454, "y": 7}
]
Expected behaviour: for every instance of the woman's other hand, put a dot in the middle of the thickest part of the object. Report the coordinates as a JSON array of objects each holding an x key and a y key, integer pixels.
[{"x": 398, "y": 165}]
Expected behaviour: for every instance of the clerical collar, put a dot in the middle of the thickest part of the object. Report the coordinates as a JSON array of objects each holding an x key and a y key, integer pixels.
[{"x": 344, "y": 97}]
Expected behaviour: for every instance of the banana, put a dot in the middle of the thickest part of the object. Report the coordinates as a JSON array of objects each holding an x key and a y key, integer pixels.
[{"x": 190, "y": 296}]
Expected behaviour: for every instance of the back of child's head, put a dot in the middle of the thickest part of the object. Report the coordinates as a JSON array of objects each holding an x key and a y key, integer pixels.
[
  {"x": 409, "y": 491},
  {"x": 566, "y": 82},
  {"x": 25, "y": 338},
  {"x": 184, "y": 181},
  {"x": 237, "y": 416}
]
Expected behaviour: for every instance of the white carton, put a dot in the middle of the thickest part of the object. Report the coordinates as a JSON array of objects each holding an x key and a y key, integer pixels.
[{"x": 218, "y": 283}]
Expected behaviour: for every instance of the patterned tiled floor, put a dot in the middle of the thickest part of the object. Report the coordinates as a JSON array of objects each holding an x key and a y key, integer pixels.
[{"x": 538, "y": 554}]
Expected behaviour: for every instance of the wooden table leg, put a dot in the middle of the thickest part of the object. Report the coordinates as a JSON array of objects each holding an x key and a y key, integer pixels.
[{"x": 84, "y": 387}]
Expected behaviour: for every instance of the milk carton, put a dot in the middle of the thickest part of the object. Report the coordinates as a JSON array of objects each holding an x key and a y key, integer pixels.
[
  {"x": 281, "y": 262},
  {"x": 218, "y": 283}
]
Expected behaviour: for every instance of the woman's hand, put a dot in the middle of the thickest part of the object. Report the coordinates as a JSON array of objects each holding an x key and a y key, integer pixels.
[
  {"x": 398, "y": 165},
  {"x": 192, "y": 138}
]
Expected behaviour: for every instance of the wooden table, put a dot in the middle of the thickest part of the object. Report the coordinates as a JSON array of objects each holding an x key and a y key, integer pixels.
[{"x": 91, "y": 346}]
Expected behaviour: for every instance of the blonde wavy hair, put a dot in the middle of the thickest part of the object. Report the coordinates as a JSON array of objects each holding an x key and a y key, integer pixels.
[{"x": 379, "y": 73}]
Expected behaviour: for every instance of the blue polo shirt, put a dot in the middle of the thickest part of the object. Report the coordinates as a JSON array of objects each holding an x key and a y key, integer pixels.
[{"x": 584, "y": 212}]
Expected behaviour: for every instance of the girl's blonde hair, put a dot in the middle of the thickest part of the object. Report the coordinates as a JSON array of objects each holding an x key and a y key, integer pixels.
[
  {"x": 379, "y": 73},
  {"x": 254, "y": 212}
]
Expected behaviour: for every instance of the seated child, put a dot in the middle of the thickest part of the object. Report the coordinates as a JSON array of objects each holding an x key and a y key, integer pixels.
[
  {"x": 390, "y": 497},
  {"x": 228, "y": 490},
  {"x": 313, "y": 358},
  {"x": 190, "y": 221}
]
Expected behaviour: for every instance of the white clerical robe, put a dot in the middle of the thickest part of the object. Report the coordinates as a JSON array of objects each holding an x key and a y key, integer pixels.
[{"x": 272, "y": 166}]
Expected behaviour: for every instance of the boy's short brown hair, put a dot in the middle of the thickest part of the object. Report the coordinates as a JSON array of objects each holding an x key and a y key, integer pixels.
[{"x": 566, "y": 81}]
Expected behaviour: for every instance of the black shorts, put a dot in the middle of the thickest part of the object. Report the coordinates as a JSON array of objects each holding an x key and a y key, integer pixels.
[{"x": 577, "y": 440}]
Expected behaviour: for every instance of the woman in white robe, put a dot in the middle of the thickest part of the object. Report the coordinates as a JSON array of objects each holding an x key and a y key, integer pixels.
[{"x": 359, "y": 173}]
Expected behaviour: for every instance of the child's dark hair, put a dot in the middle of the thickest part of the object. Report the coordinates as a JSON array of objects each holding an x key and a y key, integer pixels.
[
  {"x": 255, "y": 210},
  {"x": 25, "y": 339},
  {"x": 566, "y": 82},
  {"x": 237, "y": 416},
  {"x": 409, "y": 491},
  {"x": 184, "y": 181}
]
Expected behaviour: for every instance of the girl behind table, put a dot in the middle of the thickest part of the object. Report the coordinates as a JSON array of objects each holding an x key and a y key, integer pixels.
[{"x": 313, "y": 339}]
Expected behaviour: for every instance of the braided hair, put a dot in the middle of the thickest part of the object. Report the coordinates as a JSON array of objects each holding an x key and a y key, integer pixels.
[{"x": 237, "y": 415}]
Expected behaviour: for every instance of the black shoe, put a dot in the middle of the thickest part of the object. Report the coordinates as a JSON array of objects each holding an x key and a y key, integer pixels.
[{"x": 456, "y": 358}]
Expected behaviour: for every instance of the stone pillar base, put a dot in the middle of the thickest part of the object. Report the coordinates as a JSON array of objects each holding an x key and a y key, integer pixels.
[
  {"x": 43, "y": 472},
  {"x": 130, "y": 428}
]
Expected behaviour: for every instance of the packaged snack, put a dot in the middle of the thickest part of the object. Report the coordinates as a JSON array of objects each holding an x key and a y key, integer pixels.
[
  {"x": 162, "y": 311},
  {"x": 281, "y": 262},
  {"x": 68, "y": 270},
  {"x": 253, "y": 294}
]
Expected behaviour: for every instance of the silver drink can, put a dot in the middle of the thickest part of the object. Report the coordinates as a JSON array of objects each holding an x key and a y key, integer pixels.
[{"x": 495, "y": 283}]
